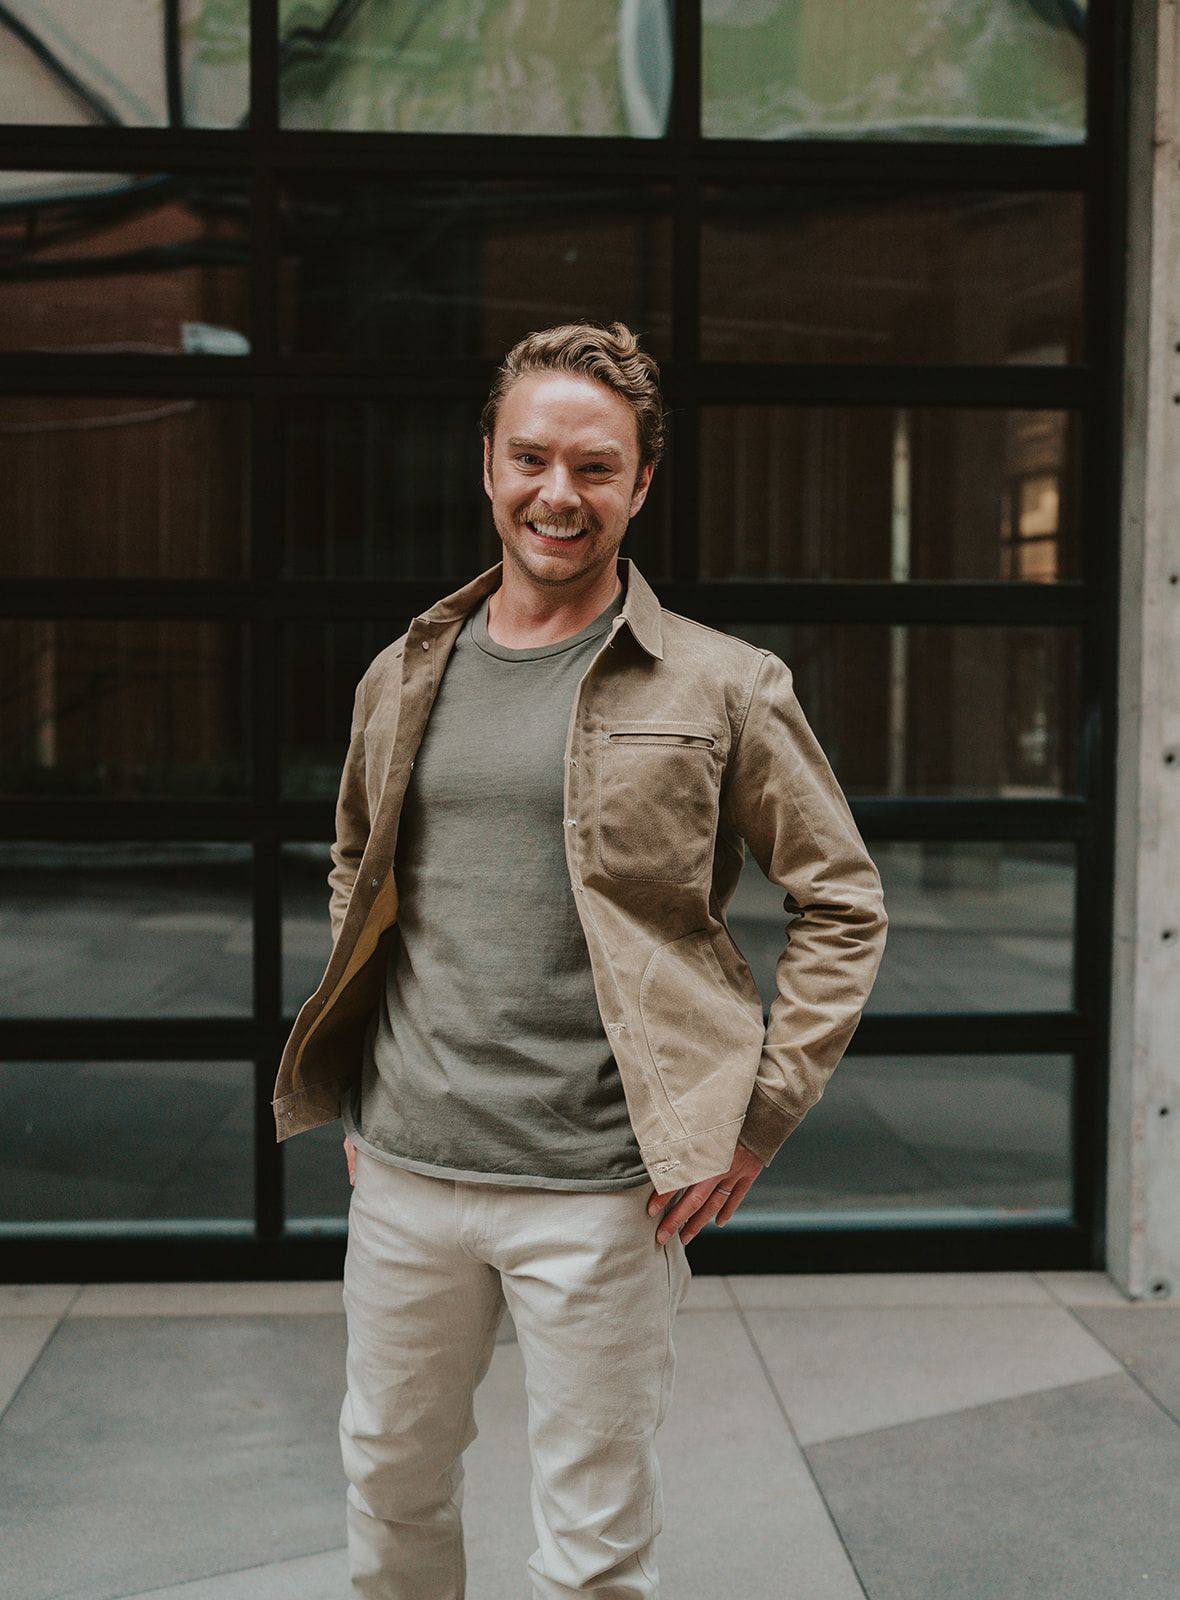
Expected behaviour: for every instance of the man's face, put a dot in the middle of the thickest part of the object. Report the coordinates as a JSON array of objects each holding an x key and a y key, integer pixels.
[{"x": 564, "y": 460}]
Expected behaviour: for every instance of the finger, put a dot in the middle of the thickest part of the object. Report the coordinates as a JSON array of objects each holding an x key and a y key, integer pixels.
[
  {"x": 704, "y": 1215},
  {"x": 684, "y": 1209},
  {"x": 660, "y": 1202},
  {"x": 740, "y": 1191}
]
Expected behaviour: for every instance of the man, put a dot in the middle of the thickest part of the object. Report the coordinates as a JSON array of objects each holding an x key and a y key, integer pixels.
[{"x": 534, "y": 1022}]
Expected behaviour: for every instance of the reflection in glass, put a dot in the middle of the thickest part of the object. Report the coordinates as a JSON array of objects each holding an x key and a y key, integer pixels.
[
  {"x": 374, "y": 267},
  {"x": 315, "y": 1173},
  {"x": 307, "y": 929},
  {"x": 100, "y": 488},
  {"x": 525, "y": 67},
  {"x": 126, "y": 930},
  {"x": 977, "y": 926},
  {"x": 132, "y": 1141},
  {"x": 937, "y": 711},
  {"x": 94, "y": 263},
  {"x": 920, "y": 1139},
  {"x": 385, "y": 489},
  {"x": 979, "y": 71},
  {"x": 118, "y": 64},
  {"x": 123, "y": 709},
  {"x": 831, "y": 492},
  {"x": 794, "y": 275},
  {"x": 322, "y": 665},
  {"x": 394, "y": 489}
]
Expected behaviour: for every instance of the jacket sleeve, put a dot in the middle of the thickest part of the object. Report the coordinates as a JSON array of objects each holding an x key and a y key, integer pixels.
[
  {"x": 352, "y": 818},
  {"x": 784, "y": 800}
]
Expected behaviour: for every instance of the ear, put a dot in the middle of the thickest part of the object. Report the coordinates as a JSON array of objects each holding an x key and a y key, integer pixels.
[
  {"x": 487, "y": 466},
  {"x": 642, "y": 484}
]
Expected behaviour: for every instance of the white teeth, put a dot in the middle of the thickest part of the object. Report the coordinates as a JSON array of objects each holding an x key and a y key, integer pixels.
[{"x": 555, "y": 533}]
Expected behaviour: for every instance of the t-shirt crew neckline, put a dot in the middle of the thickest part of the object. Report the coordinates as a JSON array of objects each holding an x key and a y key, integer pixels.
[{"x": 484, "y": 641}]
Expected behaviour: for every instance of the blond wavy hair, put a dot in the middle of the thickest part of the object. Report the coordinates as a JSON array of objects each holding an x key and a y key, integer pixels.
[{"x": 607, "y": 352}]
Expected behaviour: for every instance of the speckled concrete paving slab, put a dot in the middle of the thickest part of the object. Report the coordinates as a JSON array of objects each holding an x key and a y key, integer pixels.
[
  {"x": 1065, "y": 1495},
  {"x": 36, "y": 1299},
  {"x": 22, "y": 1339},
  {"x": 850, "y": 1371},
  {"x": 1146, "y": 1339},
  {"x": 209, "y": 1299},
  {"x": 140, "y": 1453},
  {"x": 758, "y": 1291},
  {"x": 743, "y": 1515},
  {"x": 319, "y": 1577},
  {"x": 1084, "y": 1289}
]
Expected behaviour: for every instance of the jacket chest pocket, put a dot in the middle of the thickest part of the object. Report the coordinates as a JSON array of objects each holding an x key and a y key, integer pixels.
[{"x": 658, "y": 785}]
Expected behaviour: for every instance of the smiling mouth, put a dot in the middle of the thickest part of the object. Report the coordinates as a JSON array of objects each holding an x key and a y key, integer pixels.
[{"x": 548, "y": 534}]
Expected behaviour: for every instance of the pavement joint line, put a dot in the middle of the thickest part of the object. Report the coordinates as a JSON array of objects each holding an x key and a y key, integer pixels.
[
  {"x": 37, "y": 1359},
  {"x": 231, "y": 1572},
  {"x": 963, "y": 1411},
  {"x": 1065, "y": 1305},
  {"x": 1114, "y": 1355},
  {"x": 790, "y": 1426}
]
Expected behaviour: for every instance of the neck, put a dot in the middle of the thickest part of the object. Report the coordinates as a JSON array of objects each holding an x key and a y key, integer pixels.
[{"x": 523, "y": 614}]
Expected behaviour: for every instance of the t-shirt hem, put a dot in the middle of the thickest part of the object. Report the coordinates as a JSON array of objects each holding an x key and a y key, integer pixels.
[{"x": 513, "y": 1180}]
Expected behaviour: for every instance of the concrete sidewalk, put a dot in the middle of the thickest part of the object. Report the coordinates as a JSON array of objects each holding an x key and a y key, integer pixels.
[{"x": 976, "y": 1436}]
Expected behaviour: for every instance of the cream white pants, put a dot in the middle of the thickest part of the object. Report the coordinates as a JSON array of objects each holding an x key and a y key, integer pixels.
[{"x": 431, "y": 1265}]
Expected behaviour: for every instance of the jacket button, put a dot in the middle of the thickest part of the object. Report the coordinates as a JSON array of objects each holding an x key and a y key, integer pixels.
[
  {"x": 376, "y": 881},
  {"x": 426, "y": 644}
]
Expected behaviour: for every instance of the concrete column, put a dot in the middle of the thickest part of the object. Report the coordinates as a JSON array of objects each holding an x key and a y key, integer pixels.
[{"x": 1143, "y": 1196}]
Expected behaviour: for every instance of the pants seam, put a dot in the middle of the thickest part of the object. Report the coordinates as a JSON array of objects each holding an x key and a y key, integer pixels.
[
  {"x": 489, "y": 1329},
  {"x": 661, "y": 1406}
]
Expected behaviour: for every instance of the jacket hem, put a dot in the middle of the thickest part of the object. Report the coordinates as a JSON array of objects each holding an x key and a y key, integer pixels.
[{"x": 308, "y": 1108}]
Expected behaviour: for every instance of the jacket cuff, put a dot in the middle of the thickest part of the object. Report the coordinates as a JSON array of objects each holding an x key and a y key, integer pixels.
[{"x": 767, "y": 1126}]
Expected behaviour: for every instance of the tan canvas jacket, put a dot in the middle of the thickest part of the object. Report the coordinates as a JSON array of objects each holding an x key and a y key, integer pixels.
[{"x": 682, "y": 743}]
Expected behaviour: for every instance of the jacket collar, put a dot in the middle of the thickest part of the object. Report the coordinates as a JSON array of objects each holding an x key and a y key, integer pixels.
[{"x": 641, "y": 608}]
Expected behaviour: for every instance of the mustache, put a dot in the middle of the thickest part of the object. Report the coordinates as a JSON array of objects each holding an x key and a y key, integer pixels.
[{"x": 569, "y": 522}]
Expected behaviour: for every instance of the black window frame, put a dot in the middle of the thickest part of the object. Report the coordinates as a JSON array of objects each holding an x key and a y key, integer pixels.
[{"x": 267, "y": 601}]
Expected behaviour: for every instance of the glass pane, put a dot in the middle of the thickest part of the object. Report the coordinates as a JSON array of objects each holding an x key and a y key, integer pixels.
[
  {"x": 937, "y": 711},
  {"x": 124, "y": 708},
  {"x": 830, "y": 492},
  {"x": 307, "y": 929},
  {"x": 315, "y": 1174},
  {"x": 97, "y": 488},
  {"x": 322, "y": 665},
  {"x": 505, "y": 66},
  {"x": 93, "y": 263},
  {"x": 791, "y": 275},
  {"x": 980, "y": 71},
  {"x": 363, "y": 480},
  {"x": 126, "y": 930},
  {"x": 929, "y": 1138},
  {"x": 128, "y": 1140},
  {"x": 376, "y": 268},
  {"x": 979, "y": 926},
  {"x": 109, "y": 65}
]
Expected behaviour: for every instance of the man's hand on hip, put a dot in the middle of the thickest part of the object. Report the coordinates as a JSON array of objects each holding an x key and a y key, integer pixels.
[
  {"x": 713, "y": 1200},
  {"x": 350, "y": 1157}
]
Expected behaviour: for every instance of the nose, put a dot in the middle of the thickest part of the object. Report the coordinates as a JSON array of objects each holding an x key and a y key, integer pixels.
[{"x": 559, "y": 492}]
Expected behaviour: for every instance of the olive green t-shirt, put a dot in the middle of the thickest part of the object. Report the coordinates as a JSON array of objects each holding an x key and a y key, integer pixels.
[{"x": 486, "y": 1058}]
